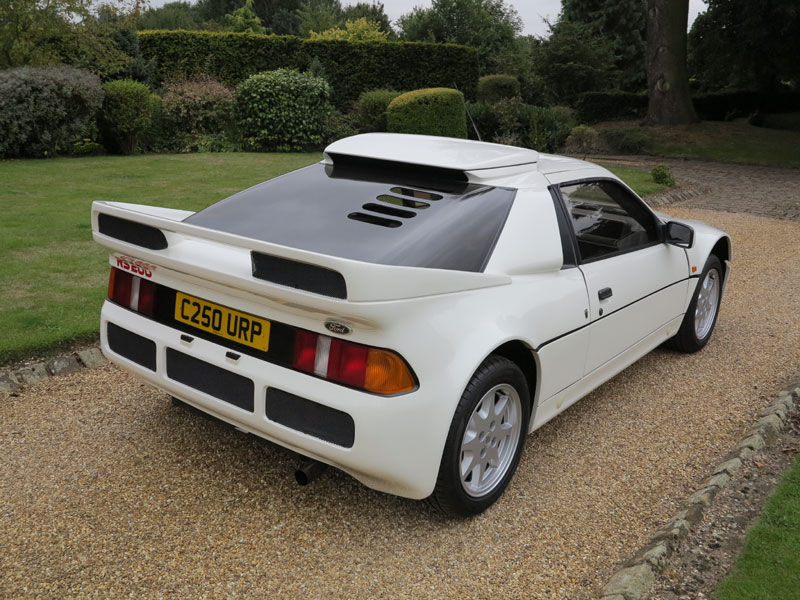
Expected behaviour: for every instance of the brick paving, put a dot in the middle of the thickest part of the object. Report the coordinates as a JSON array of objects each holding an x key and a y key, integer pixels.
[{"x": 762, "y": 191}]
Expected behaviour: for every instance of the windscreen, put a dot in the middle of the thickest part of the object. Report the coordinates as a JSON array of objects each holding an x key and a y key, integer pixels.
[{"x": 370, "y": 216}]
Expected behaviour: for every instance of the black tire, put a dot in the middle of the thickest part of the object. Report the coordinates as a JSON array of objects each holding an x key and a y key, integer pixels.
[
  {"x": 495, "y": 383},
  {"x": 688, "y": 339}
]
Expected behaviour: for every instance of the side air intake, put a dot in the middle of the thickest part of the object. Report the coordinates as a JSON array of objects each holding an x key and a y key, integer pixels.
[{"x": 299, "y": 275}]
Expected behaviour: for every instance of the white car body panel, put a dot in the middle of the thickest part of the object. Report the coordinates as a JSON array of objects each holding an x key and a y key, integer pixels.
[{"x": 444, "y": 323}]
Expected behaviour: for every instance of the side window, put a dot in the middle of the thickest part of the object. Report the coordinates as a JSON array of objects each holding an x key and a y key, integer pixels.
[{"x": 607, "y": 220}]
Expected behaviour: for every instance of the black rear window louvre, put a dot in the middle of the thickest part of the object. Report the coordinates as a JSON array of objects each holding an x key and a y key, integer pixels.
[
  {"x": 131, "y": 232},
  {"x": 298, "y": 275},
  {"x": 318, "y": 209},
  {"x": 380, "y": 169}
]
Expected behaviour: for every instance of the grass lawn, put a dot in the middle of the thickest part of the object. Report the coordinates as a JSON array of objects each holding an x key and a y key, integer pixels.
[
  {"x": 769, "y": 566},
  {"x": 734, "y": 142},
  {"x": 641, "y": 181},
  {"x": 54, "y": 276}
]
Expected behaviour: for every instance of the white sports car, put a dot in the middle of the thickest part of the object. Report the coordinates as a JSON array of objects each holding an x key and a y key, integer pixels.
[{"x": 408, "y": 308}]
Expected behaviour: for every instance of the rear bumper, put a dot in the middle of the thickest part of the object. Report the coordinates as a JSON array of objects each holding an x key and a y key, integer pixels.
[{"x": 392, "y": 444}]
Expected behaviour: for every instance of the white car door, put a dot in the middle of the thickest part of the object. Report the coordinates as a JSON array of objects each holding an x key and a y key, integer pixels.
[{"x": 636, "y": 283}]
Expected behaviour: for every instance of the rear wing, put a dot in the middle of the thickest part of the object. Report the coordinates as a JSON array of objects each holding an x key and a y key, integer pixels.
[{"x": 159, "y": 236}]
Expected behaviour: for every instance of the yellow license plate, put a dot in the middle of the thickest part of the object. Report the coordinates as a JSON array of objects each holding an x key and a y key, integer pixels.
[{"x": 225, "y": 322}]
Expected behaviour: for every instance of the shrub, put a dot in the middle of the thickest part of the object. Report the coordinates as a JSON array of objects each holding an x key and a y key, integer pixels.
[
  {"x": 492, "y": 88},
  {"x": 352, "y": 67},
  {"x": 372, "y": 107},
  {"x": 583, "y": 140},
  {"x": 625, "y": 140},
  {"x": 126, "y": 115},
  {"x": 509, "y": 114},
  {"x": 282, "y": 110},
  {"x": 44, "y": 111},
  {"x": 547, "y": 131},
  {"x": 340, "y": 125},
  {"x": 484, "y": 119},
  {"x": 594, "y": 107},
  {"x": 662, "y": 174},
  {"x": 197, "y": 107},
  {"x": 431, "y": 111},
  {"x": 157, "y": 138}
]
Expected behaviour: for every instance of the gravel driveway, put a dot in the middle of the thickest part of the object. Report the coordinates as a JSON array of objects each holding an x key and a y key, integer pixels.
[{"x": 107, "y": 490}]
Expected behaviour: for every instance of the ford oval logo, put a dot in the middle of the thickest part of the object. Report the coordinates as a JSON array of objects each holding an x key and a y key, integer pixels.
[{"x": 337, "y": 327}]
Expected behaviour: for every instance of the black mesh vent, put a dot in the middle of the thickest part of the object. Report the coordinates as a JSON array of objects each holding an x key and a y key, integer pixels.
[
  {"x": 299, "y": 275},
  {"x": 132, "y": 346},
  {"x": 131, "y": 232},
  {"x": 210, "y": 379},
  {"x": 308, "y": 417}
]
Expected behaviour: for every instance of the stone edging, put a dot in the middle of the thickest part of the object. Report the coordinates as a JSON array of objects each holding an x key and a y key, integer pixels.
[
  {"x": 638, "y": 574},
  {"x": 12, "y": 380},
  {"x": 678, "y": 194}
]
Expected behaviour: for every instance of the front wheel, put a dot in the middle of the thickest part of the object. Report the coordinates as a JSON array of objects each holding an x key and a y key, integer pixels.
[
  {"x": 485, "y": 440},
  {"x": 701, "y": 316}
]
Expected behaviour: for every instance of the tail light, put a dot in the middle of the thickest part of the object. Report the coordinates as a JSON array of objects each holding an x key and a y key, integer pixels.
[
  {"x": 371, "y": 369},
  {"x": 134, "y": 292}
]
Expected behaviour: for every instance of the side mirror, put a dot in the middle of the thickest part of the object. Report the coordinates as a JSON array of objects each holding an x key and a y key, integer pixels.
[{"x": 679, "y": 234}]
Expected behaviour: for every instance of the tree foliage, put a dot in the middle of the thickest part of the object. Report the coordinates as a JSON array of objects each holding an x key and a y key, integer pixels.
[
  {"x": 359, "y": 30},
  {"x": 573, "y": 61},
  {"x": 746, "y": 45},
  {"x": 621, "y": 22},
  {"x": 173, "y": 15},
  {"x": 244, "y": 19},
  {"x": 489, "y": 26}
]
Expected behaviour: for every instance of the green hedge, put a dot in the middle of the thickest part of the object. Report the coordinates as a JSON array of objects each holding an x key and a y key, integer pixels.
[
  {"x": 350, "y": 67},
  {"x": 432, "y": 111},
  {"x": 492, "y": 88}
]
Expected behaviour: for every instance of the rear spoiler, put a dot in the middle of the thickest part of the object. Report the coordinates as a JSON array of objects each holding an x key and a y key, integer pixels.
[{"x": 160, "y": 237}]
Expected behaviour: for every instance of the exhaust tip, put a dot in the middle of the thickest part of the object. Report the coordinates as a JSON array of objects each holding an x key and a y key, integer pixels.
[{"x": 309, "y": 471}]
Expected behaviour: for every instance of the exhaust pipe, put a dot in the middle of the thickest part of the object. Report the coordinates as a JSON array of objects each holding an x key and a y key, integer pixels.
[{"x": 309, "y": 471}]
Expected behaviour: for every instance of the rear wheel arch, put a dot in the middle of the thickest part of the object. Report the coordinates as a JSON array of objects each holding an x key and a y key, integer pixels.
[{"x": 523, "y": 356}]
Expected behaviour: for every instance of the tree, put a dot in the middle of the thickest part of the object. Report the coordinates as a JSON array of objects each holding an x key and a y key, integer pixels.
[
  {"x": 374, "y": 13},
  {"x": 669, "y": 101},
  {"x": 489, "y": 26},
  {"x": 572, "y": 61},
  {"x": 746, "y": 45},
  {"x": 244, "y": 19},
  {"x": 319, "y": 15},
  {"x": 173, "y": 15},
  {"x": 359, "y": 30},
  {"x": 621, "y": 22}
]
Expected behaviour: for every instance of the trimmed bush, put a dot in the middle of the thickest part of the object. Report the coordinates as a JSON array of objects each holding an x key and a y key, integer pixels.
[
  {"x": 547, "y": 130},
  {"x": 662, "y": 174},
  {"x": 724, "y": 106},
  {"x": 492, "y": 88},
  {"x": 431, "y": 111},
  {"x": 583, "y": 140},
  {"x": 484, "y": 119},
  {"x": 594, "y": 107},
  {"x": 197, "y": 107},
  {"x": 126, "y": 115},
  {"x": 372, "y": 107},
  {"x": 45, "y": 111},
  {"x": 351, "y": 67},
  {"x": 625, "y": 140},
  {"x": 282, "y": 110}
]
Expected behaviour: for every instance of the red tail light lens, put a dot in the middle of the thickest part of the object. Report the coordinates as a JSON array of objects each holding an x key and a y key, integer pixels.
[
  {"x": 371, "y": 369},
  {"x": 133, "y": 292},
  {"x": 119, "y": 287}
]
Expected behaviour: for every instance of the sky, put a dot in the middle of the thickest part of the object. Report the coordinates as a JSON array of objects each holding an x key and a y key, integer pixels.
[{"x": 532, "y": 12}]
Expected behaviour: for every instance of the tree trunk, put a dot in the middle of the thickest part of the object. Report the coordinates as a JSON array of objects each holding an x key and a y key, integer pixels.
[{"x": 667, "y": 78}]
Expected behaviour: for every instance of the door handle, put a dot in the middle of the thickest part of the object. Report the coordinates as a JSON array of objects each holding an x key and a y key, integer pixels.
[{"x": 605, "y": 293}]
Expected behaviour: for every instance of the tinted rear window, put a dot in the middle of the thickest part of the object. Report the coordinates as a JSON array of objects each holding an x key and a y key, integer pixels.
[{"x": 370, "y": 216}]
